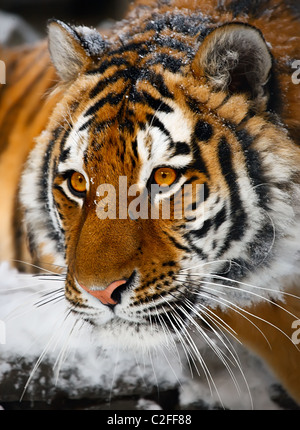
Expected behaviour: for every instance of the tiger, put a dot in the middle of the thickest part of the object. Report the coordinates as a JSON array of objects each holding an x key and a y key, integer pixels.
[{"x": 178, "y": 93}]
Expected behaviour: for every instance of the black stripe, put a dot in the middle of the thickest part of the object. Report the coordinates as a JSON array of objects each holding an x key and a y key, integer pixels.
[
  {"x": 86, "y": 124},
  {"x": 198, "y": 162},
  {"x": 215, "y": 223},
  {"x": 155, "y": 104},
  {"x": 118, "y": 61},
  {"x": 198, "y": 251},
  {"x": 157, "y": 81},
  {"x": 43, "y": 194},
  {"x": 245, "y": 139},
  {"x": 126, "y": 74},
  {"x": 254, "y": 168},
  {"x": 176, "y": 243},
  {"x": 64, "y": 152},
  {"x": 181, "y": 148},
  {"x": 219, "y": 218},
  {"x": 155, "y": 122},
  {"x": 203, "y": 131},
  {"x": 64, "y": 155},
  {"x": 203, "y": 230},
  {"x": 193, "y": 105},
  {"x": 141, "y": 48},
  {"x": 52, "y": 233},
  {"x": 167, "y": 61},
  {"x": 58, "y": 188},
  {"x": 134, "y": 148},
  {"x": 238, "y": 216},
  {"x": 132, "y": 74},
  {"x": 102, "y": 125},
  {"x": 110, "y": 98},
  {"x": 177, "y": 45}
]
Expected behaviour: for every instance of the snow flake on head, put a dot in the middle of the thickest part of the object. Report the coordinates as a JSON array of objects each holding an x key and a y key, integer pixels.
[{"x": 91, "y": 40}]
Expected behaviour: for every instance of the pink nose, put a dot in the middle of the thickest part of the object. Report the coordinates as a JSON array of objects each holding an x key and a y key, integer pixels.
[{"x": 105, "y": 295}]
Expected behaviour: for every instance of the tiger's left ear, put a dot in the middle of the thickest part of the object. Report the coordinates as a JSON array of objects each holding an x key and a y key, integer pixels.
[
  {"x": 73, "y": 48},
  {"x": 235, "y": 57}
]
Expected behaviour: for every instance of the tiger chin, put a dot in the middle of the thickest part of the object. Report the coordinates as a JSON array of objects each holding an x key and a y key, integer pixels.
[{"x": 178, "y": 94}]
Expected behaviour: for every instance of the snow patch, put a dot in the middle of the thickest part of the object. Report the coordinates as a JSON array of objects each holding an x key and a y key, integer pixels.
[{"x": 42, "y": 335}]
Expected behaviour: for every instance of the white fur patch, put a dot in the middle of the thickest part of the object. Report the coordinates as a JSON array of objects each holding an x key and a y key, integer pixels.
[{"x": 155, "y": 147}]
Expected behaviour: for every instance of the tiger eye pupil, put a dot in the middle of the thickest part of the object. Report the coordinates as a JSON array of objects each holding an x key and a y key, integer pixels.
[
  {"x": 78, "y": 182},
  {"x": 165, "y": 176}
]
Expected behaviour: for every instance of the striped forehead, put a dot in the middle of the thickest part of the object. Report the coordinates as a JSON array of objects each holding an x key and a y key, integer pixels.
[
  {"x": 73, "y": 146},
  {"x": 165, "y": 141}
]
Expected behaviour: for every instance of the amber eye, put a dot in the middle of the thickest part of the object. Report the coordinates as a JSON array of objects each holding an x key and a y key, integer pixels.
[
  {"x": 77, "y": 183},
  {"x": 165, "y": 176}
]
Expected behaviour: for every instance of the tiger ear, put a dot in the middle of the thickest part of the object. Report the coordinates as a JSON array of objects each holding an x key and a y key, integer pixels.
[
  {"x": 235, "y": 57},
  {"x": 72, "y": 48}
]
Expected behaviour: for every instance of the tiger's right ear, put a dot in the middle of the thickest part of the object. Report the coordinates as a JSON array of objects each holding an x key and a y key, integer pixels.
[
  {"x": 235, "y": 57},
  {"x": 72, "y": 48}
]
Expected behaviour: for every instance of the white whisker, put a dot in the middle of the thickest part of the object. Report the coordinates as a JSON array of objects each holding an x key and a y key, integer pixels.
[
  {"x": 28, "y": 305},
  {"x": 201, "y": 275},
  {"x": 61, "y": 357},
  {"x": 266, "y": 299},
  {"x": 218, "y": 351},
  {"x": 225, "y": 302},
  {"x": 52, "y": 341},
  {"x": 228, "y": 306},
  {"x": 193, "y": 350},
  {"x": 39, "y": 267}
]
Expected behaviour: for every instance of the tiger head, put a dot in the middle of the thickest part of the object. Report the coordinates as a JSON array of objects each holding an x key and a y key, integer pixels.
[{"x": 162, "y": 119}]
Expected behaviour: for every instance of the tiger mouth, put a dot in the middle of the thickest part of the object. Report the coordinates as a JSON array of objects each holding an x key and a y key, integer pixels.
[
  {"x": 174, "y": 322},
  {"x": 173, "y": 312}
]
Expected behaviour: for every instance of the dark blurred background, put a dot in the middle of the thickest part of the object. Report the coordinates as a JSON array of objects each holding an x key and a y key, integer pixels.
[{"x": 35, "y": 13}]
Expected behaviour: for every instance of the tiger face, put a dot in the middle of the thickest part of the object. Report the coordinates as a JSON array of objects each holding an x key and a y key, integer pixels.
[{"x": 144, "y": 118}]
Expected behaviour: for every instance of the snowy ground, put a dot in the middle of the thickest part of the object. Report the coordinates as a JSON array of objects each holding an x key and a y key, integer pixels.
[{"x": 44, "y": 354}]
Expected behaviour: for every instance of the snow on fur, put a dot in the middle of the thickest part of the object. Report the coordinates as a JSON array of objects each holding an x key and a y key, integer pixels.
[{"x": 39, "y": 330}]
